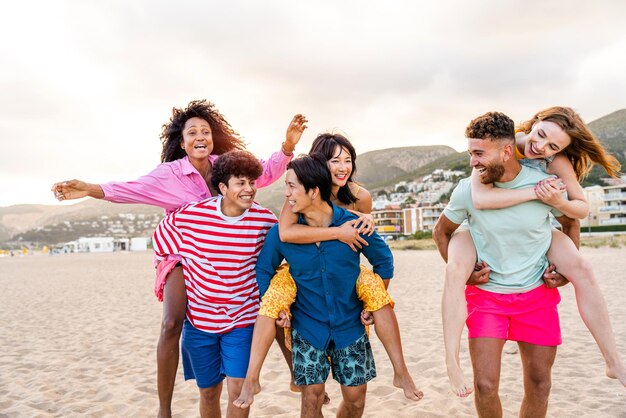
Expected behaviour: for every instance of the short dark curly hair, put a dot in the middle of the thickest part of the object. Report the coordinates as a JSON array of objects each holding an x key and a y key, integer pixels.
[
  {"x": 494, "y": 126},
  {"x": 235, "y": 164},
  {"x": 224, "y": 137}
]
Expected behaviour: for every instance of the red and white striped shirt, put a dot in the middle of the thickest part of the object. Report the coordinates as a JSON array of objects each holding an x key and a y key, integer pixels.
[{"x": 219, "y": 255}]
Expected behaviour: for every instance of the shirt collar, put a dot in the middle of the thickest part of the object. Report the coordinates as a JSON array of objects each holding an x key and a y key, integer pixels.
[
  {"x": 337, "y": 219},
  {"x": 187, "y": 168}
]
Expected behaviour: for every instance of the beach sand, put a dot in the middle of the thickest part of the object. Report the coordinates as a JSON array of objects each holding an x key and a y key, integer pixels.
[{"x": 79, "y": 333}]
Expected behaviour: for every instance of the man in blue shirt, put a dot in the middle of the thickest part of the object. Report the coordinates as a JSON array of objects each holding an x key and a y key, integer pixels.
[{"x": 326, "y": 313}]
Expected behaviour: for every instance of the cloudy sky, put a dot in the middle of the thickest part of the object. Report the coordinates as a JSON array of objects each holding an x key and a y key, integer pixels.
[{"x": 86, "y": 85}]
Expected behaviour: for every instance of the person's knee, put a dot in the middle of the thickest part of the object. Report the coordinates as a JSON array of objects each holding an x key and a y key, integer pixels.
[
  {"x": 540, "y": 386},
  {"x": 234, "y": 387},
  {"x": 457, "y": 273},
  {"x": 357, "y": 404},
  {"x": 210, "y": 395},
  {"x": 313, "y": 398},
  {"x": 486, "y": 387}
]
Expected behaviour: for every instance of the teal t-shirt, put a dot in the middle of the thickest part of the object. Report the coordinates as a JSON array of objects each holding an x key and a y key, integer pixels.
[{"x": 512, "y": 241}]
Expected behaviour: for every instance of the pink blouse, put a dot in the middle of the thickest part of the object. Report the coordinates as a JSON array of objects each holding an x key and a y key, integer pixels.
[{"x": 174, "y": 184}]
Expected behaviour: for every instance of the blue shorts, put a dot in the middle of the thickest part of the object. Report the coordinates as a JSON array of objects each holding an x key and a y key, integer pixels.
[
  {"x": 352, "y": 365},
  {"x": 209, "y": 358}
]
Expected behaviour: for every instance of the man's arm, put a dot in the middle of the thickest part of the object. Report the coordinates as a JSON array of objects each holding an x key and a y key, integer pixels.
[
  {"x": 379, "y": 255},
  {"x": 442, "y": 233},
  {"x": 571, "y": 228},
  {"x": 269, "y": 260}
]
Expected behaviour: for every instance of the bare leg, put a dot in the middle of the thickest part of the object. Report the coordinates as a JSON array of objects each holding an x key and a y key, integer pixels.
[
  {"x": 537, "y": 364},
  {"x": 389, "y": 334},
  {"x": 591, "y": 305},
  {"x": 312, "y": 399},
  {"x": 174, "y": 307},
  {"x": 234, "y": 386},
  {"x": 353, "y": 402},
  {"x": 262, "y": 338},
  {"x": 486, "y": 354},
  {"x": 210, "y": 401},
  {"x": 280, "y": 339},
  {"x": 461, "y": 261}
]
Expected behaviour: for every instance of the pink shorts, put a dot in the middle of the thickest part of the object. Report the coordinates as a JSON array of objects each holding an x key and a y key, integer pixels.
[{"x": 530, "y": 317}]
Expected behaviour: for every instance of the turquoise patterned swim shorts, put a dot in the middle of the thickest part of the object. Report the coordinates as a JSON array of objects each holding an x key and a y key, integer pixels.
[{"x": 352, "y": 365}]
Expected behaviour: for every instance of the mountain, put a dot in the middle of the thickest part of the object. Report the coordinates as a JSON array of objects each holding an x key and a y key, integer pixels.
[
  {"x": 611, "y": 130},
  {"x": 22, "y": 218},
  {"x": 376, "y": 170}
]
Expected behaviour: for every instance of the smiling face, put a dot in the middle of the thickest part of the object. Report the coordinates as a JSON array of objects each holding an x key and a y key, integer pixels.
[
  {"x": 487, "y": 157},
  {"x": 545, "y": 139},
  {"x": 197, "y": 139},
  {"x": 238, "y": 195},
  {"x": 297, "y": 197},
  {"x": 340, "y": 166}
]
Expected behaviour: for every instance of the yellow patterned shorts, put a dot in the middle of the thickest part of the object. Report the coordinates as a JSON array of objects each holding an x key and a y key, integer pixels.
[{"x": 370, "y": 290}]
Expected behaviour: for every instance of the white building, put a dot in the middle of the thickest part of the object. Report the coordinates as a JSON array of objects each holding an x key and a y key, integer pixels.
[{"x": 95, "y": 244}]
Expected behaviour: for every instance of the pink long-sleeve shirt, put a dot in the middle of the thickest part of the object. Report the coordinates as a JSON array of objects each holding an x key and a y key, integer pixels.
[{"x": 174, "y": 184}]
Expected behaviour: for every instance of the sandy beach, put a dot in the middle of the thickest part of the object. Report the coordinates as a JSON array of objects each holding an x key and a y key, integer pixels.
[{"x": 79, "y": 333}]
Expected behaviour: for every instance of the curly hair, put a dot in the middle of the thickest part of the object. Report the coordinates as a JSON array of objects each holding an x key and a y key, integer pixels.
[
  {"x": 326, "y": 144},
  {"x": 236, "y": 163},
  {"x": 224, "y": 137},
  {"x": 494, "y": 126},
  {"x": 585, "y": 149}
]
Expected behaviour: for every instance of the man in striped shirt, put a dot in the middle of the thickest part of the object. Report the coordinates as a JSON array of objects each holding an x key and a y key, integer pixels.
[{"x": 219, "y": 240}]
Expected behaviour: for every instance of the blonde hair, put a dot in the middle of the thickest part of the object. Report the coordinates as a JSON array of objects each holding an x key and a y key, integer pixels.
[{"x": 585, "y": 149}]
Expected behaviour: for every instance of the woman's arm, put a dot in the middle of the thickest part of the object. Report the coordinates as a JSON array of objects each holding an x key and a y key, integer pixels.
[
  {"x": 291, "y": 231},
  {"x": 575, "y": 206},
  {"x": 76, "y": 189},
  {"x": 363, "y": 209},
  {"x": 486, "y": 196},
  {"x": 276, "y": 165}
]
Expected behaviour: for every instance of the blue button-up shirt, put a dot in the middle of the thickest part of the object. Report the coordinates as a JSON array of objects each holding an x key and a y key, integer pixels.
[{"x": 326, "y": 307}]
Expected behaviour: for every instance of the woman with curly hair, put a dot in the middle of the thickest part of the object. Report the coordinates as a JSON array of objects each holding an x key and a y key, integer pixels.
[
  {"x": 556, "y": 141},
  {"x": 192, "y": 140}
]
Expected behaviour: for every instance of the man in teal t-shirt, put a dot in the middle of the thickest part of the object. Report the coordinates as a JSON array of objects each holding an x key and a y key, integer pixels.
[{"x": 514, "y": 304}]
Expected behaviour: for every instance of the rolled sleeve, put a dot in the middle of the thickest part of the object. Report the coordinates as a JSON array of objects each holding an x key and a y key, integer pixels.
[{"x": 273, "y": 168}]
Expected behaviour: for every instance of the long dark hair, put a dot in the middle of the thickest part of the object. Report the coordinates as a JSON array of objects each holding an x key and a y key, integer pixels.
[
  {"x": 326, "y": 145},
  {"x": 224, "y": 137}
]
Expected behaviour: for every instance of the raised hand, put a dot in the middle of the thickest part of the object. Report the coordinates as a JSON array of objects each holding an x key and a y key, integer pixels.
[{"x": 294, "y": 133}]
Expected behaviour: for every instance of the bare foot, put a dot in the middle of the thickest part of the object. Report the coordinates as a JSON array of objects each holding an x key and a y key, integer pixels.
[
  {"x": 405, "y": 382},
  {"x": 296, "y": 388},
  {"x": 457, "y": 380},
  {"x": 248, "y": 390},
  {"x": 617, "y": 372}
]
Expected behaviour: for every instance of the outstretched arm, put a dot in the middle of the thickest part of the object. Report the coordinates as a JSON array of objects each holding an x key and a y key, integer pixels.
[{"x": 75, "y": 189}]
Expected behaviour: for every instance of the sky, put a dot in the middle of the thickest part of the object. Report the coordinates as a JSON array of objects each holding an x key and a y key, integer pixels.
[{"x": 86, "y": 85}]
